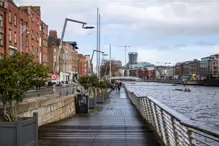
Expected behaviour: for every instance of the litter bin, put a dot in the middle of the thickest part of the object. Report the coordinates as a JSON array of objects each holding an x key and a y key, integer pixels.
[{"x": 82, "y": 104}]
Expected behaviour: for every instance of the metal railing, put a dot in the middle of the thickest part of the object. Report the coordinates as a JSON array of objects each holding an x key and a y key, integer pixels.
[
  {"x": 173, "y": 128},
  {"x": 61, "y": 91}
]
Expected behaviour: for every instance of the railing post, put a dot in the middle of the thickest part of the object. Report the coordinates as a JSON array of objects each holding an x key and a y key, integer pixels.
[
  {"x": 175, "y": 135},
  {"x": 149, "y": 111},
  {"x": 166, "y": 135},
  {"x": 158, "y": 121},
  {"x": 152, "y": 114},
  {"x": 191, "y": 134}
]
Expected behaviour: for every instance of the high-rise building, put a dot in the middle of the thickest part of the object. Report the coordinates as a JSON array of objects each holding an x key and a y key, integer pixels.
[{"x": 133, "y": 58}]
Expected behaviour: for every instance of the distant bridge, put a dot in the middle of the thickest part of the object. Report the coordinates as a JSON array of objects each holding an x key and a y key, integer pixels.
[{"x": 126, "y": 78}]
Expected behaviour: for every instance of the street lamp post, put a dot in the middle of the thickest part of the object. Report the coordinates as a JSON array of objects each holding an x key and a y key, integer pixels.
[
  {"x": 125, "y": 51},
  {"x": 92, "y": 59},
  {"x": 63, "y": 33},
  {"x": 110, "y": 69}
]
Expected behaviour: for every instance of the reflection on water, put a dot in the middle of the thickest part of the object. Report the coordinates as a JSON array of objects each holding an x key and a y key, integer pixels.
[{"x": 201, "y": 104}]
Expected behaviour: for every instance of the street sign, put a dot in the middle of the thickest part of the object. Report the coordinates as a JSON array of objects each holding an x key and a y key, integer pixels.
[{"x": 54, "y": 77}]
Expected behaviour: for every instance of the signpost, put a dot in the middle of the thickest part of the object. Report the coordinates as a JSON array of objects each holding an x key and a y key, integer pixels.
[{"x": 54, "y": 77}]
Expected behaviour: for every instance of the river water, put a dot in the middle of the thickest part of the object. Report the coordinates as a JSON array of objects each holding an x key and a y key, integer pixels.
[{"x": 201, "y": 104}]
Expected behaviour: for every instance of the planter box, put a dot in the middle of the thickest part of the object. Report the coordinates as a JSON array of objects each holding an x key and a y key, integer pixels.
[
  {"x": 24, "y": 132},
  {"x": 92, "y": 103},
  {"x": 108, "y": 92},
  {"x": 100, "y": 98}
]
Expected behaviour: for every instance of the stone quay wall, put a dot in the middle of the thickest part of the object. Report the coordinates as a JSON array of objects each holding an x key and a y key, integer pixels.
[{"x": 49, "y": 108}]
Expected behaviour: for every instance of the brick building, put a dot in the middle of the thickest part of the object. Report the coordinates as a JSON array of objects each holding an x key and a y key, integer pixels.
[
  {"x": 179, "y": 70},
  {"x": 23, "y": 31},
  {"x": 67, "y": 66},
  {"x": 3, "y": 27},
  {"x": 12, "y": 26},
  {"x": 82, "y": 65},
  {"x": 38, "y": 34},
  {"x": 190, "y": 68}
]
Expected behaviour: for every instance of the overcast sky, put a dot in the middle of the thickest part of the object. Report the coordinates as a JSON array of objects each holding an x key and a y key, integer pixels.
[{"x": 159, "y": 30}]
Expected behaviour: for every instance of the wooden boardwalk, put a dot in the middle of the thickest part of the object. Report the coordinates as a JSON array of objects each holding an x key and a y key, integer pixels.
[{"x": 118, "y": 124}]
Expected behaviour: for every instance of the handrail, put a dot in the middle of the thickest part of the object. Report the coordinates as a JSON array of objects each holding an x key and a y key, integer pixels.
[
  {"x": 173, "y": 128},
  {"x": 184, "y": 119}
]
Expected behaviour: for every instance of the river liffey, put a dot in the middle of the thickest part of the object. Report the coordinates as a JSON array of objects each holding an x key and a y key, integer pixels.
[{"x": 201, "y": 104}]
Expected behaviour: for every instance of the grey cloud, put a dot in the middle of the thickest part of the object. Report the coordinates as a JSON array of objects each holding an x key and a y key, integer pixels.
[{"x": 202, "y": 43}]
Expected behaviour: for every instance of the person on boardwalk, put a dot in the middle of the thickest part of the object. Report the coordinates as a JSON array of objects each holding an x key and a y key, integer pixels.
[{"x": 119, "y": 87}]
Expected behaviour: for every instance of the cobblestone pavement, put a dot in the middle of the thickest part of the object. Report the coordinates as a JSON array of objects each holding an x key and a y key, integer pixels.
[{"x": 118, "y": 124}]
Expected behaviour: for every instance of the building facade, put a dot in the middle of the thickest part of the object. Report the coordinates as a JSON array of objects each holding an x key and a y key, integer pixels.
[
  {"x": 191, "y": 69},
  {"x": 209, "y": 67},
  {"x": 23, "y": 31},
  {"x": 3, "y": 27},
  {"x": 82, "y": 65},
  {"x": 88, "y": 64},
  {"x": 67, "y": 65},
  {"x": 133, "y": 58},
  {"x": 179, "y": 70}
]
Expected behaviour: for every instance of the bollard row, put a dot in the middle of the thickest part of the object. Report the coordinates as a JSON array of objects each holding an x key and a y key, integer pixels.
[{"x": 173, "y": 128}]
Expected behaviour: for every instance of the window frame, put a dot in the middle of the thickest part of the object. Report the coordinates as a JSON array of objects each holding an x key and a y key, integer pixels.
[{"x": 10, "y": 35}]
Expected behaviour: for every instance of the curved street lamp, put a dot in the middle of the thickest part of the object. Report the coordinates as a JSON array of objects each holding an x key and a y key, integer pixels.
[{"x": 63, "y": 33}]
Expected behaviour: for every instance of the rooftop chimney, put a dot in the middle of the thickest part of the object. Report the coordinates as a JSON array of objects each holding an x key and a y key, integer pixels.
[{"x": 53, "y": 34}]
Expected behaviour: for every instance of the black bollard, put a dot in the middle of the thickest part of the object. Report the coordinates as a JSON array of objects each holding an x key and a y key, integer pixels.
[
  {"x": 38, "y": 95},
  {"x": 67, "y": 93},
  {"x": 60, "y": 94}
]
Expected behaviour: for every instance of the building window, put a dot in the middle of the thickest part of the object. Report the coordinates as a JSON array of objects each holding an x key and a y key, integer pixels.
[
  {"x": 9, "y": 17},
  {"x": 15, "y": 20},
  {"x": 1, "y": 39},
  {"x": 32, "y": 18},
  {"x": 9, "y": 35},
  {"x": 15, "y": 37},
  {"x": 33, "y": 34},
  {"x": 27, "y": 42},
  {"x": 32, "y": 50},
  {"x": 37, "y": 52},
  {"x": 1, "y": 20},
  {"x": 37, "y": 39}
]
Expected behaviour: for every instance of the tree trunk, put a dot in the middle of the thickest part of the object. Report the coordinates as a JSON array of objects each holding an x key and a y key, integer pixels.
[
  {"x": 11, "y": 113},
  {"x": 15, "y": 110},
  {"x": 6, "y": 116}
]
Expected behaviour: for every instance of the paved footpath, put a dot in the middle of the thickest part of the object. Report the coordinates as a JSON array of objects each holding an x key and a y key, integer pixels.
[{"x": 118, "y": 124}]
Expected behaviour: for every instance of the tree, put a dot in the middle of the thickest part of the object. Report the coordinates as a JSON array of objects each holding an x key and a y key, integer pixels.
[
  {"x": 40, "y": 75},
  {"x": 18, "y": 73}
]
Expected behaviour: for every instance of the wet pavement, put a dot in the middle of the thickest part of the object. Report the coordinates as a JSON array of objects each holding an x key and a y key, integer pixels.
[{"x": 117, "y": 124}]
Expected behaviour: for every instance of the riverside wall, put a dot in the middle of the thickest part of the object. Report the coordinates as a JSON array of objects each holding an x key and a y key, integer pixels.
[{"x": 49, "y": 108}]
